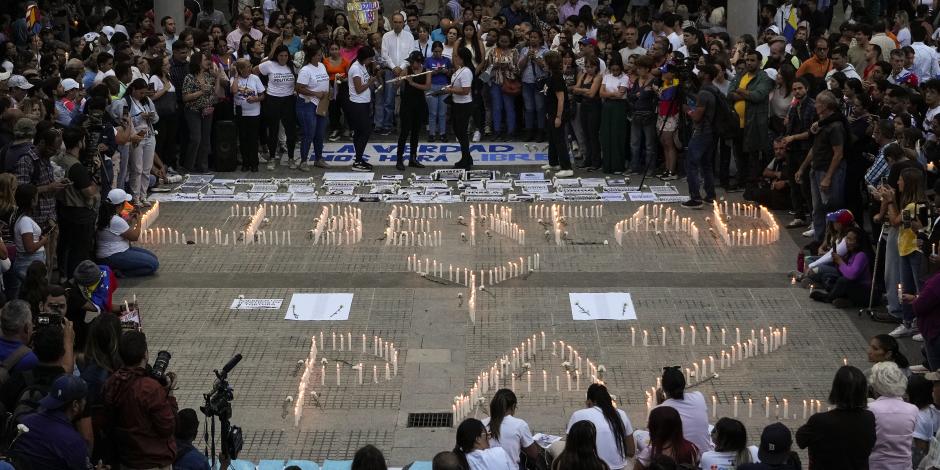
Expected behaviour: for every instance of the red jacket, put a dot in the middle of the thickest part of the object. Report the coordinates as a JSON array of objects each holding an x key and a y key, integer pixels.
[{"x": 141, "y": 418}]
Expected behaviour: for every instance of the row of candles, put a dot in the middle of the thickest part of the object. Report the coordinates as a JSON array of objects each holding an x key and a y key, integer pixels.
[
  {"x": 411, "y": 211},
  {"x": 254, "y": 223},
  {"x": 408, "y": 238},
  {"x": 148, "y": 218},
  {"x": 546, "y": 210},
  {"x": 505, "y": 227},
  {"x": 517, "y": 364},
  {"x": 781, "y": 408},
  {"x": 778, "y": 335},
  {"x": 749, "y": 237},
  {"x": 273, "y": 210},
  {"x": 337, "y": 226},
  {"x": 496, "y": 274},
  {"x": 652, "y": 218}
]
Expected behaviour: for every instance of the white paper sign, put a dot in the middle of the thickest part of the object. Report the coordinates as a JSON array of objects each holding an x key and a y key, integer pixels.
[
  {"x": 602, "y": 306},
  {"x": 642, "y": 197},
  {"x": 348, "y": 176},
  {"x": 256, "y": 304},
  {"x": 316, "y": 307}
]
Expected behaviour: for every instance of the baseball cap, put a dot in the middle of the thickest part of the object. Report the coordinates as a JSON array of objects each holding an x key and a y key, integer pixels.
[
  {"x": 86, "y": 273},
  {"x": 118, "y": 196},
  {"x": 108, "y": 31},
  {"x": 19, "y": 81},
  {"x": 842, "y": 216},
  {"x": 65, "y": 389},
  {"x": 775, "y": 444},
  {"x": 777, "y": 38},
  {"x": 587, "y": 40},
  {"x": 90, "y": 37},
  {"x": 69, "y": 84},
  {"x": 773, "y": 28}
]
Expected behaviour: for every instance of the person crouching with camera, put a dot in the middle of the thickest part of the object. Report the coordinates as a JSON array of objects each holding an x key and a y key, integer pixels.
[{"x": 142, "y": 417}]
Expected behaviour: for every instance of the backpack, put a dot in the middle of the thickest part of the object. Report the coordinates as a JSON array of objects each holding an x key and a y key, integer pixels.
[
  {"x": 27, "y": 403},
  {"x": 727, "y": 121},
  {"x": 6, "y": 367}
]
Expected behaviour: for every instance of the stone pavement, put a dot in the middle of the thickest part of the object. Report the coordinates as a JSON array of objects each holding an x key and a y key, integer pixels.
[{"x": 673, "y": 283}]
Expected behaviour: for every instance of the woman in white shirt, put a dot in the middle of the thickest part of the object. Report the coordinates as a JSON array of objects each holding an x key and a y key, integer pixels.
[
  {"x": 143, "y": 116},
  {"x": 313, "y": 85},
  {"x": 165, "y": 101},
  {"x": 279, "y": 103},
  {"x": 474, "y": 451},
  {"x": 507, "y": 431},
  {"x": 731, "y": 447},
  {"x": 27, "y": 235},
  {"x": 614, "y": 430},
  {"x": 461, "y": 83},
  {"x": 115, "y": 234},
  {"x": 613, "y": 90},
  {"x": 249, "y": 93},
  {"x": 359, "y": 106}
]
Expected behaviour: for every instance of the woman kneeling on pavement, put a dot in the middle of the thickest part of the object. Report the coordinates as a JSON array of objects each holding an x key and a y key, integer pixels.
[
  {"x": 850, "y": 285},
  {"x": 116, "y": 229}
]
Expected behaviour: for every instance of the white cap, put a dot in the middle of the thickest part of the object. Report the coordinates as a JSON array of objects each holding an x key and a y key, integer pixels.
[
  {"x": 90, "y": 37},
  {"x": 118, "y": 196},
  {"x": 108, "y": 31},
  {"x": 19, "y": 81},
  {"x": 119, "y": 28},
  {"x": 69, "y": 84}
]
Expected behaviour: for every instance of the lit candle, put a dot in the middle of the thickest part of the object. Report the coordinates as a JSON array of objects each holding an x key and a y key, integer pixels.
[
  {"x": 632, "y": 336},
  {"x": 786, "y": 409},
  {"x": 664, "y": 335},
  {"x": 750, "y": 407},
  {"x": 692, "y": 328},
  {"x": 337, "y": 375},
  {"x": 708, "y": 335},
  {"x": 682, "y": 336},
  {"x": 735, "y": 406},
  {"x": 767, "y": 407},
  {"x": 714, "y": 407}
]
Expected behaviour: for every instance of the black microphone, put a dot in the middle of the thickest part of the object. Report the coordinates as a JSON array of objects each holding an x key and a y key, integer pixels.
[{"x": 231, "y": 364}]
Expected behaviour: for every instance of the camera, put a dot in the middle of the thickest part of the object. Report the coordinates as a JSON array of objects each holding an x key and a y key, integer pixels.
[
  {"x": 219, "y": 404},
  {"x": 48, "y": 319},
  {"x": 158, "y": 370}
]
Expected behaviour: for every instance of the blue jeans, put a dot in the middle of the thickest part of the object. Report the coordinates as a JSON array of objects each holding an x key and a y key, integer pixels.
[
  {"x": 503, "y": 102},
  {"x": 700, "y": 157},
  {"x": 912, "y": 279},
  {"x": 642, "y": 135},
  {"x": 385, "y": 118},
  {"x": 312, "y": 129},
  {"x": 437, "y": 113},
  {"x": 134, "y": 262},
  {"x": 825, "y": 202},
  {"x": 892, "y": 271},
  {"x": 534, "y": 102}
]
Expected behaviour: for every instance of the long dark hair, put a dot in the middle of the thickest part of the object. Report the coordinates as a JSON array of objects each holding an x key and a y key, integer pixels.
[
  {"x": 101, "y": 346},
  {"x": 553, "y": 63},
  {"x": 105, "y": 212},
  {"x": 503, "y": 403},
  {"x": 466, "y": 58},
  {"x": 598, "y": 394},
  {"x": 889, "y": 344},
  {"x": 467, "y": 433},
  {"x": 665, "y": 427},
  {"x": 369, "y": 458},
  {"x": 580, "y": 449},
  {"x": 475, "y": 45},
  {"x": 849, "y": 389},
  {"x": 25, "y": 197},
  {"x": 731, "y": 436}
]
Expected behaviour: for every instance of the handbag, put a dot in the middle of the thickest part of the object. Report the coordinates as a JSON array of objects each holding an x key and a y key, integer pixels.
[
  {"x": 511, "y": 87},
  {"x": 323, "y": 107}
]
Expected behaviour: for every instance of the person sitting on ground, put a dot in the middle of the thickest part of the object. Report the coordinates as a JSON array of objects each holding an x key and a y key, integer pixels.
[
  {"x": 115, "y": 234},
  {"x": 507, "y": 431},
  {"x": 850, "y": 285},
  {"x": 773, "y": 190},
  {"x": 894, "y": 419},
  {"x": 187, "y": 456},
  {"x": 731, "y": 447},
  {"x": 16, "y": 326},
  {"x": 53, "y": 347},
  {"x": 92, "y": 287},
  {"x": 920, "y": 393},
  {"x": 52, "y": 440},
  {"x": 474, "y": 451},
  {"x": 774, "y": 451},
  {"x": 844, "y": 436},
  {"x": 666, "y": 440},
  {"x": 885, "y": 347},
  {"x": 615, "y": 442},
  {"x": 691, "y": 407},
  {"x": 580, "y": 452}
]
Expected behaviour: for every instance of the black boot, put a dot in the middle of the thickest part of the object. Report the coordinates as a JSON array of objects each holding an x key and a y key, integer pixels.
[
  {"x": 399, "y": 165},
  {"x": 414, "y": 163}
]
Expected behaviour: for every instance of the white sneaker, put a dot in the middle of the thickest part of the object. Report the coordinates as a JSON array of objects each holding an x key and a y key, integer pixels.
[
  {"x": 174, "y": 178},
  {"x": 271, "y": 163},
  {"x": 809, "y": 233},
  {"x": 918, "y": 337},
  {"x": 574, "y": 147},
  {"x": 901, "y": 331},
  {"x": 476, "y": 136},
  {"x": 564, "y": 174},
  {"x": 550, "y": 167},
  {"x": 292, "y": 165}
]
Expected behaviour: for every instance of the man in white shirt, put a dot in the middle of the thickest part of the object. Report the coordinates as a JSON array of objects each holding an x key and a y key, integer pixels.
[
  {"x": 671, "y": 24},
  {"x": 169, "y": 32},
  {"x": 397, "y": 44},
  {"x": 840, "y": 63},
  {"x": 630, "y": 36},
  {"x": 926, "y": 58},
  {"x": 244, "y": 27}
]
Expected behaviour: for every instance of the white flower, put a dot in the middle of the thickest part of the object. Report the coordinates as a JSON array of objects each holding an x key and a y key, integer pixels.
[
  {"x": 606, "y": 242},
  {"x": 22, "y": 429},
  {"x": 526, "y": 366},
  {"x": 289, "y": 399},
  {"x": 324, "y": 361},
  {"x": 601, "y": 369}
]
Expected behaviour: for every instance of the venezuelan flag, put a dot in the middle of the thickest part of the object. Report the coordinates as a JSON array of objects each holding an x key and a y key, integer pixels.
[
  {"x": 32, "y": 18},
  {"x": 789, "y": 29}
]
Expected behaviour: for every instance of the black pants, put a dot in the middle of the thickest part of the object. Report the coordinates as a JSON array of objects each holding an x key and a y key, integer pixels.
[
  {"x": 337, "y": 107},
  {"x": 590, "y": 115},
  {"x": 167, "y": 128},
  {"x": 557, "y": 146},
  {"x": 77, "y": 246},
  {"x": 724, "y": 163},
  {"x": 800, "y": 199},
  {"x": 411, "y": 121},
  {"x": 248, "y": 139},
  {"x": 855, "y": 291},
  {"x": 359, "y": 117},
  {"x": 750, "y": 164},
  {"x": 460, "y": 116},
  {"x": 280, "y": 110}
]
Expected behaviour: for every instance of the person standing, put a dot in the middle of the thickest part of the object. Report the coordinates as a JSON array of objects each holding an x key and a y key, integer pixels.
[
  {"x": 199, "y": 89},
  {"x": 414, "y": 110},
  {"x": 249, "y": 93},
  {"x": 336, "y": 67},
  {"x": 166, "y": 103},
  {"x": 143, "y": 115},
  {"x": 462, "y": 108},
  {"x": 532, "y": 66},
  {"x": 442, "y": 67},
  {"x": 749, "y": 93},
  {"x": 556, "y": 99},
  {"x": 613, "y": 90},
  {"x": 397, "y": 44},
  {"x": 313, "y": 85},
  {"x": 360, "y": 102},
  {"x": 643, "y": 127},
  {"x": 77, "y": 203},
  {"x": 701, "y": 153},
  {"x": 505, "y": 85},
  {"x": 824, "y": 159},
  {"x": 279, "y": 105},
  {"x": 587, "y": 89}
]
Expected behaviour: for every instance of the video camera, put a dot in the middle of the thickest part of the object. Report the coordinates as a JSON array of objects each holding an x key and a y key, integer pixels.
[{"x": 219, "y": 404}]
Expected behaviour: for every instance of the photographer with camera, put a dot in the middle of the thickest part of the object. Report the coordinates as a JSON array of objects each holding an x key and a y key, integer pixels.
[
  {"x": 53, "y": 347},
  {"x": 141, "y": 409}
]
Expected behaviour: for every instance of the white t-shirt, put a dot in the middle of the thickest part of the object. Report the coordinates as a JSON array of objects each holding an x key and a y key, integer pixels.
[
  {"x": 280, "y": 78},
  {"x": 694, "y": 413},
  {"x": 514, "y": 435},
  {"x": 462, "y": 78},
  {"x": 612, "y": 83},
  {"x": 247, "y": 87},
  {"x": 26, "y": 224},
  {"x": 358, "y": 70},
  {"x": 110, "y": 240},
  {"x": 713, "y": 460},
  {"x": 316, "y": 79},
  {"x": 158, "y": 84},
  {"x": 927, "y": 424},
  {"x": 606, "y": 442},
  {"x": 494, "y": 458}
]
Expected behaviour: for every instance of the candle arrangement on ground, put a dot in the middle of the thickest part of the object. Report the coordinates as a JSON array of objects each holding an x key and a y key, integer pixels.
[
  {"x": 337, "y": 225},
  {"x": 148, "y": 218},
  {"x": 380, "y": 348},
  {"x": 563, "y": 363},
  {"x": 724, "y": 213},
  {"x": 500, "y": 222},
  {"x": 460, "y": 275},
  {"x": 656, "y": 218},
  {"x": 412, "y": 226},
  {"x": 271, "y": 210},
  {"x": 541, "y": 211}
]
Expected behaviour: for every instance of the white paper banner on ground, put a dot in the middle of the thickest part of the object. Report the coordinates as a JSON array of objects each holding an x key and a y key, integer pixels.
[
  {"x": 602, "y": 306},
  {"x": 642, "y": 197},
  {"x": 256, "y": 304},
  {"x": 385, "y": 154},
  {"x": 348, "y": 176},
  {"x": 319, "y": 307}
]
